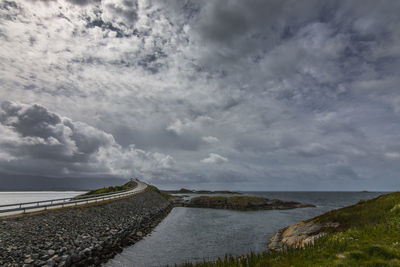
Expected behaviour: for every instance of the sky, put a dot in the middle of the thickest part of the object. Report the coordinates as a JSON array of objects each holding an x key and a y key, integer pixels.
[{"x": 223, "y": 94}]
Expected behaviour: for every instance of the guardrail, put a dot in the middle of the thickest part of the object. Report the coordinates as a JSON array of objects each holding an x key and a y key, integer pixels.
[{"x": 63, "y": 202}]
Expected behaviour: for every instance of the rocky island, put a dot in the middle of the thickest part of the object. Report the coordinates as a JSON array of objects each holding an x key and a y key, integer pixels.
[
  {"x": 243, "y": 203},
  {"x": 189, "y": 191}
]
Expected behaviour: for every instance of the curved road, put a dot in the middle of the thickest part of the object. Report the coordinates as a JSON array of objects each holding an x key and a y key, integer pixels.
[{"x": 20, "y": 208}]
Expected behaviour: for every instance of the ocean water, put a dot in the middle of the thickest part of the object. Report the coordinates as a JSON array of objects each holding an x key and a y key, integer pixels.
[
  {"x": 30, "y": 196},
  {"x": 193, "y": 234}
]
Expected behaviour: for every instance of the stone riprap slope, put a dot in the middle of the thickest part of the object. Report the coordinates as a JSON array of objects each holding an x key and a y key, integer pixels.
[{"x": 80, "y": 236}]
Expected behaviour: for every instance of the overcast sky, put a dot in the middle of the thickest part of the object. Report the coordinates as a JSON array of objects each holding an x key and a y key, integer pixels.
[{"x": 221, "y": 94}]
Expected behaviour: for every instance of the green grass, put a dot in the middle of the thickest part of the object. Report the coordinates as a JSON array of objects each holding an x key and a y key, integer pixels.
[
  {"x": 153, "y": 188},
  {"x": 104, "y": 190},
  {"x": 369, "y": 235}
]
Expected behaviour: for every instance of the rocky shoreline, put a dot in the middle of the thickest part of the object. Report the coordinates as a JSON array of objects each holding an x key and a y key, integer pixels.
[
  {"x": 300, "y": 235},
  {"x": 243, "y": 203},
  {"x": 189, "y": 191},
  {"x": 80, "y": 236}
]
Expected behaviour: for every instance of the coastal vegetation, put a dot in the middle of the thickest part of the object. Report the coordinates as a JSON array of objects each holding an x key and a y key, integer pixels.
[
  {"x": 365, "y": 234},
  {"x": 162, "y": 193},
  {"x": 111, "y": 189}
]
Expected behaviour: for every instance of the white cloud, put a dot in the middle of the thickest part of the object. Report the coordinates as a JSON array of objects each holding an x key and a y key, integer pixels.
[
  {"x": 176, "y": 127},
  {"x": 210, "y": 139},
  {"x": 215, "y": 159}
]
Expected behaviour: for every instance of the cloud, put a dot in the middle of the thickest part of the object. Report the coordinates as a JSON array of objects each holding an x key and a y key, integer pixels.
[
  {"x": 83, "y": 2},
  {"x": 210, "y": 139},
  {"x": 120, "y": 12},
  {"x": 36, "y": 140},
  {"x": 215, "y": 159},
  {"x": 177, "y": 127},
  {"x": 392, "y": 155}
]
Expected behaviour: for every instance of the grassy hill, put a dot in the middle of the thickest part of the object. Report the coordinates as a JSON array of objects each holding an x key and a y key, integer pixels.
[
  {"x": 368, "y": 235},
  {"x": 106, "y": 190}
]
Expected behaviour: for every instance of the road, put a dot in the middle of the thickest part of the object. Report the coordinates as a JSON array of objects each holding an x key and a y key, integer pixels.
[{"x": 29, "y": 207}]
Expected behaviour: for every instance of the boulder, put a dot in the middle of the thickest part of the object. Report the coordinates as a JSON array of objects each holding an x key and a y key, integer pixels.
[{"x": 299, "y": 235}]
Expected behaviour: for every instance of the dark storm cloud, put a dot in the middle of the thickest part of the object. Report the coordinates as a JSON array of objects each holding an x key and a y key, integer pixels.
[{"x": 37, "y": 141}]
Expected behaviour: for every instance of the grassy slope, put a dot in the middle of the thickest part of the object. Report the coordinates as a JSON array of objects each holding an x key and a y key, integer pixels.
[
  {"x": 369, "y": 235},
  {"x": 109, "y": 189},
  {"x": 165, "y": 195}
]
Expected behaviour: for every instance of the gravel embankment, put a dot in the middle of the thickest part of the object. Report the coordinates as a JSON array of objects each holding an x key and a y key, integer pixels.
[{"x": 80, "y": 236}]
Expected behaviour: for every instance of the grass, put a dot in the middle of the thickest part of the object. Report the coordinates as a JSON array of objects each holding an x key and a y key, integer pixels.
[
  {"x": 104, "y": 190},
  {"x": 369, "y": 235},
  {"x": 153, "y": 188}
]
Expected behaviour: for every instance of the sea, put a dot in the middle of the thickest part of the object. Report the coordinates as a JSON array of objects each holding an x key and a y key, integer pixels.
[
  {"x": 30, "y": 196},
  {"x": 197, "y": 234}
]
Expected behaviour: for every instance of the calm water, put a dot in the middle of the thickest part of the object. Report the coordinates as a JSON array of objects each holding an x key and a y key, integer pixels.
[
  {"x": 29, "y": 196},
  {"x": 190, "y": 234}
]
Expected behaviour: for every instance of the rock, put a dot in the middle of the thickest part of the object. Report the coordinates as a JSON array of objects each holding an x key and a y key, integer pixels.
[
  {"x": 50, "y": 262},
  {"x": 28, "y": 261},
  {"x": 75, "y": 257},
  {"x": 240, "y": 203},
  {"x": 66, "y": 259},
  {"x": 55, "y": 258},
  {"x": 299, "y": 235},
  {"x": 51, "y": 252},
  {"x": 87, "y": 251},
  {"x": 45, "y": 257},
  {"x": 39, "y": 263}
]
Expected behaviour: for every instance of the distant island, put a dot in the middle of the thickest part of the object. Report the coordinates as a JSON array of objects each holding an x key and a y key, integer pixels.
[
  {"x": 188, "y": 191},
  {"x": 243, "y": 203}
]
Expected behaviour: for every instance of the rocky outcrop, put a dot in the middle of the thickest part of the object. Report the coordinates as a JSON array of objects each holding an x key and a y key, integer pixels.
[
  {"x": 80, "y": 236},
  {"x": 239, "y": 203},
  {"x": 300, "y": 235},
  {"x": 189, "y": 191}
]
